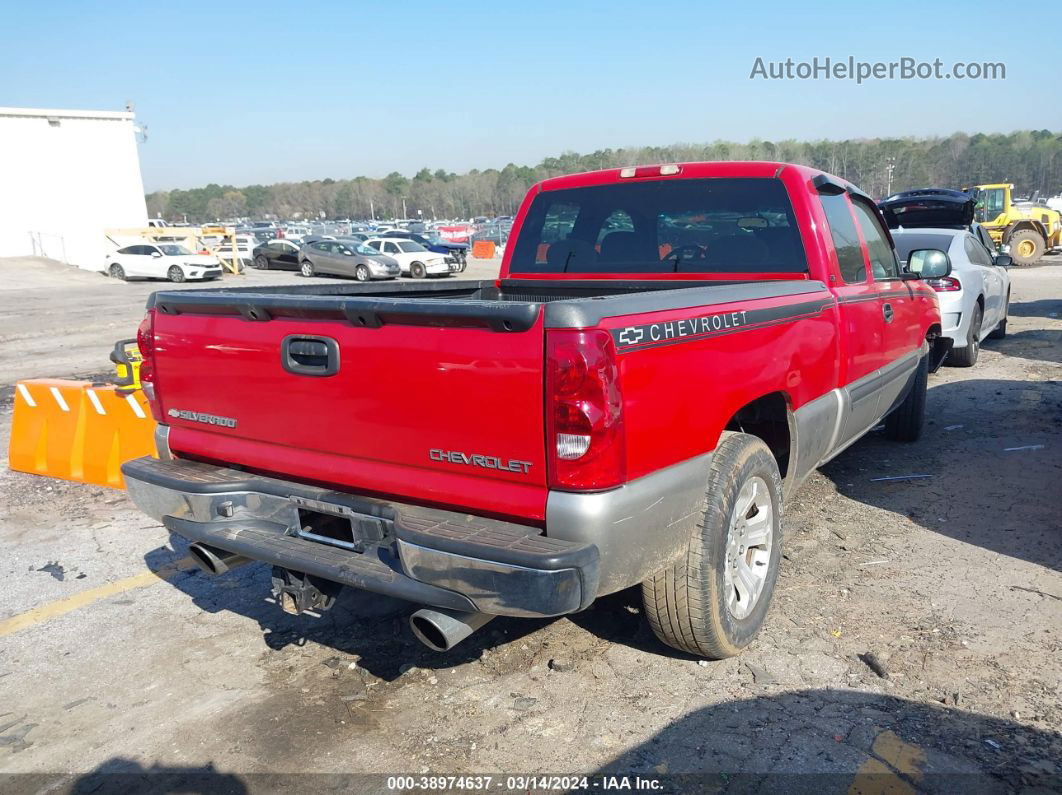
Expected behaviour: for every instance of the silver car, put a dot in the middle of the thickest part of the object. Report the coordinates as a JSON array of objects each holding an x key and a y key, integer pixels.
[
  {"x": 346, "y": 258},
  {"x": 974, "y": 297}
]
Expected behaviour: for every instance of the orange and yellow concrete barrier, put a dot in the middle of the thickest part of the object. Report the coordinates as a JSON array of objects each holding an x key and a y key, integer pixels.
[{"x": 77, "y": 431}]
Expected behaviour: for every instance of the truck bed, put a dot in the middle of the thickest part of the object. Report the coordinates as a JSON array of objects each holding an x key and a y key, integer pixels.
[
  {"x": 420, "y": 391},
  {"x": 507, "y": 305}
]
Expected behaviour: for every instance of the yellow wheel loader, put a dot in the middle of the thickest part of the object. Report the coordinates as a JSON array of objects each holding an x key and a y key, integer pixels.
[{"x": 1024, "y": 229}]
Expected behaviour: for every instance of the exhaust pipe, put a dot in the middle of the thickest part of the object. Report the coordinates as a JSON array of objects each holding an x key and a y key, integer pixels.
[
  {"x": 215, "y": 561},
  {"x": 440, "y": 629}
]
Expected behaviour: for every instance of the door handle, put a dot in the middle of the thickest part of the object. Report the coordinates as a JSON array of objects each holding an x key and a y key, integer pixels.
[
  {"x": 886, "y": 310},
  {"x": 310, "y": 355}
]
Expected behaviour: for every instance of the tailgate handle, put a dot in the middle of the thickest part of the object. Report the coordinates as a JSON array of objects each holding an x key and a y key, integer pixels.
[{"x": 308, "y": 355}]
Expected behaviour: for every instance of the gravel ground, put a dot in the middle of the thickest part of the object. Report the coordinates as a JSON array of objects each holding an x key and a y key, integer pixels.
[{"x": 914, "y": 643}]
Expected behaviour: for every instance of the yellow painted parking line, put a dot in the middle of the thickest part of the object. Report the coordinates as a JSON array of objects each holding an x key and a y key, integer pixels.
[
  {"x": 881, "y": 775},
  {"x": 63, "y": 606}
]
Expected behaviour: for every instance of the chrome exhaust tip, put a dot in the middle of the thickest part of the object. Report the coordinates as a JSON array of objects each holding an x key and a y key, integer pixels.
[
  {"x": 215, "y": 561},
  {"x": 440, "y": 629}
]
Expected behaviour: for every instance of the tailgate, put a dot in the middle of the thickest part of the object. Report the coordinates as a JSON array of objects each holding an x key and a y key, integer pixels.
[{"x": 427, "y": 411}]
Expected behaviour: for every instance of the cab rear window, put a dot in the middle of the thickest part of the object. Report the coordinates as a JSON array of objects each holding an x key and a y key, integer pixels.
[{"x": 721, "y": 225}]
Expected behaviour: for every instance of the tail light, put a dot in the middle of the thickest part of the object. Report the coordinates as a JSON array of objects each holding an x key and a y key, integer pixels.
[
  {"x": 945, "y": 284},
  {"x": 585, "y": 411},
  {"x": 145, "y": 341}
]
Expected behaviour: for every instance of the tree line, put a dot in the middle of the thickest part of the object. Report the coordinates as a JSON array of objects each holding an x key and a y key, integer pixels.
[{"x": 1032, "y": 160}]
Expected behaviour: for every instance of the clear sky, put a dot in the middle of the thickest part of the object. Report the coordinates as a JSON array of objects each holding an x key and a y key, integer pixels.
[{"x": 263, "y": 92}]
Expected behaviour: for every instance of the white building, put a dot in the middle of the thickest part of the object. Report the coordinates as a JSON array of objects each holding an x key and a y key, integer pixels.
[{"x": 65, "y": 177}]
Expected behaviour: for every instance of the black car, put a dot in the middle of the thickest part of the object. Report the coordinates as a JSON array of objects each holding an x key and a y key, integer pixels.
[
  {"x": 280, "y": 254},
  {"x": 928, "y": 207},
  {"x": 939, "y": 208}
]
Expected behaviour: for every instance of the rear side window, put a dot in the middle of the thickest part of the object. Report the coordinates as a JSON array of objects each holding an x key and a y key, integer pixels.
[
  {"x": 976, "y": 253},
  {"x": 882, "y": 257},
  {"x": 719, "y": 225},
  {"x": 845, "y": 238}
]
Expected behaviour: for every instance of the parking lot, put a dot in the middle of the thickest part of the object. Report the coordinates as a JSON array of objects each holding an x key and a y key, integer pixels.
[{"x": 916, "y": 632}]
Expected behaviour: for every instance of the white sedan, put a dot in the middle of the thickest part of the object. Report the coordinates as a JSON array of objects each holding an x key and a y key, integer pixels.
[
  {"x": 974, "y": 297},
  {"x": 161, "y": 261},
  {"x": 413, "y": 258}
]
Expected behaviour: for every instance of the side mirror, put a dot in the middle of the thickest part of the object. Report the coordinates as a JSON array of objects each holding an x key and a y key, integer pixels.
[
  {"x": 1003, "y": 260},
  {"x": 929, "y": 263},
  {"x": 156, "y": 254}
]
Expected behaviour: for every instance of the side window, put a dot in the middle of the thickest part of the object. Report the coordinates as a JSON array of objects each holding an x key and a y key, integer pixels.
[
  {"x": 987, "y": 240},
  {"x": 845, "y": 238},
  {"x": 882, "y": 257},
  {"x": 390, "y": 248},
  {"x": 375, "y": 244},
  {"x": 976, "y": 252},
  {"x": 127, "y": 250}
]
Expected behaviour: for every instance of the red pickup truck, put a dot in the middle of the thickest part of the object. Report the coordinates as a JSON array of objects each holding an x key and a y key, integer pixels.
[{"x": 668, "y": 352}]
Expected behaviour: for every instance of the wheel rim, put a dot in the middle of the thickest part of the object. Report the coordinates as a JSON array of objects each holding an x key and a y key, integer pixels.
[
  {"x": 975, "y": 325},
  {"x": 1026, "y": 248},
  {"x": 307, "y": 269},
  {"x": 260, "y": 263},
  {"x": 749, "y": 540},
  {"x": 176, "y": 274},
  {"x": 362, "y": 273}
]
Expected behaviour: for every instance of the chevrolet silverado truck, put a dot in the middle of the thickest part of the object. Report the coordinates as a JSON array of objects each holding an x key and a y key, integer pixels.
[{"x": 667, "y": 353}]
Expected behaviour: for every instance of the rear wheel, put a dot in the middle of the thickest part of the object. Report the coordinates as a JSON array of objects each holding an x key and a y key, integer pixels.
[
  {"x": 361, "y": 273},
  {"x": 905, "y": 422},
  {"x": 116, "y": 271},
  {"x": 306, "y": 269},
  {"x": 1026, "y": 247},
  {"x": 966, "y": 356},
  {"x": 713, "y": 600},
  {"x": 175, "y": 274},
  {"x": 417, "y": 270},
  {"x": 261, "y": 263}
]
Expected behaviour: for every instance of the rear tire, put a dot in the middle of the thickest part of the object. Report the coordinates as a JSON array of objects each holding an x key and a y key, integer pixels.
[
  {"x": 905, "y": 422},
  {"x": 713, "y": 600},
  {"x": 966, "y": 356},
  {"x": 361, "y": 273},
  {"x": 1026, "y": 247},
  {"x": 116, "y": 271},
  {"x": 175, "y": 274},
  {"x": 306, "y": 269},
  {"x": 418, "y": 271}
]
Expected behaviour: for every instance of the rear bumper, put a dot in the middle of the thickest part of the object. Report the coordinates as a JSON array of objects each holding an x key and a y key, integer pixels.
[{"x": 438, "y": 558}]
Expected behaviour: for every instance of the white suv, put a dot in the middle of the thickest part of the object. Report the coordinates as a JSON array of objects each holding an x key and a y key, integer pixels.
[{"x": 161, "y": 261}]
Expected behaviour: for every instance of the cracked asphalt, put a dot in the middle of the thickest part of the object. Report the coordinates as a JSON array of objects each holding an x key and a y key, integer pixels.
[{"x": 915, "y": 643}]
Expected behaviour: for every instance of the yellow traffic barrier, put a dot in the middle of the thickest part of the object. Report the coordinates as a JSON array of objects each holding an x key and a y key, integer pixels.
[
  {"x": 117, "y": 428},
  {"x": 76, "y": 431},
  {"x": 45, "y": 427}
]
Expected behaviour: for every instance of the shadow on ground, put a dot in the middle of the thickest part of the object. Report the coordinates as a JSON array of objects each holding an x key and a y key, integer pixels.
[
  {"x": 1045, "y": 307},
  {"x": 373, "y": 627},
  {"x": 811, "y": 741},
  {"x": 1043, "y": 345},
  {"x": 826, "y": 741},
  {"x": 992, "y": 451}
]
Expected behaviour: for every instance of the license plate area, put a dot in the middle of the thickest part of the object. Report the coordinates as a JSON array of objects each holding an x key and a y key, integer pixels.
[{"x": 338, "y": 525}]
